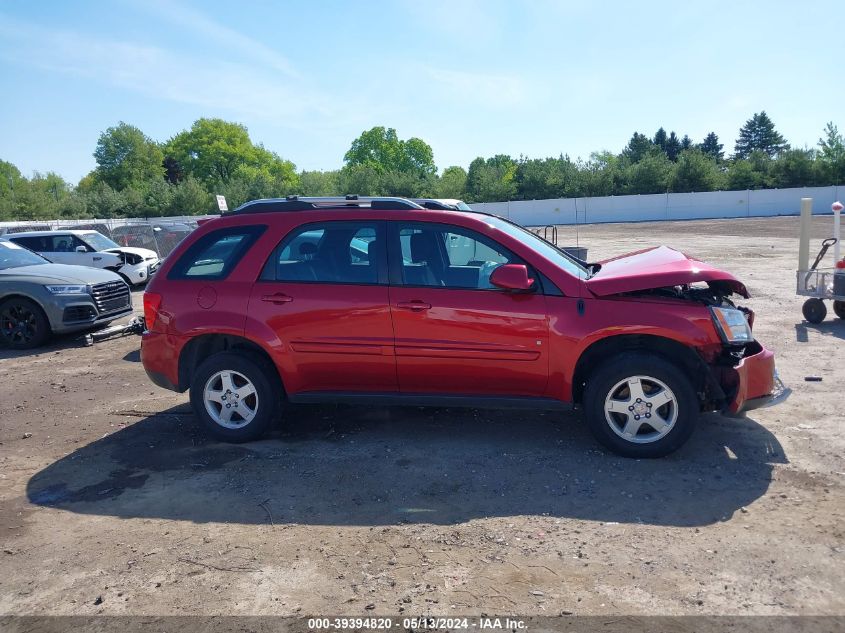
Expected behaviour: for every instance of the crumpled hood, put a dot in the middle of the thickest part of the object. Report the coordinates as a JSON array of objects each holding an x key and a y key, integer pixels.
[
  {"x": 58, "y": 274},
  {"x": 657, "y": 267},
  {"x": 144, "y": 253}
]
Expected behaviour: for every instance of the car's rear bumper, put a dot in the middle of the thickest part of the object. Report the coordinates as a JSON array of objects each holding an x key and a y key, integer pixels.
[
  {"x": 160, "y": 357},
  {"x": 755, "y": 383}
]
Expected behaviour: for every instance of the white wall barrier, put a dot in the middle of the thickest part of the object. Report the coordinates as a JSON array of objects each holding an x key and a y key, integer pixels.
[{"x": 665, "y": 206}]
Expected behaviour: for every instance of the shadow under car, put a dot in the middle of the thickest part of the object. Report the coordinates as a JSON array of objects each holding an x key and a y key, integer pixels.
[{"x": 348, "y": 465}]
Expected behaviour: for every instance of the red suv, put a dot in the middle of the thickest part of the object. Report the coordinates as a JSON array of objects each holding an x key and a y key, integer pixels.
[{"x": 381, "y": 301}]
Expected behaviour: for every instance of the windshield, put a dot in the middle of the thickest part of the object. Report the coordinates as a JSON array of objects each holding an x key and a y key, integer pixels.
[
  {"x": 535, "y": 243},
  {"x": 98, "y": 241},
  {"x": 13, "y": 256}
]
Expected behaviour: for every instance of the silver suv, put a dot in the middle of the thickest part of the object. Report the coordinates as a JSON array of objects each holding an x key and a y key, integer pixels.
[{"x": 39, "y": 298}]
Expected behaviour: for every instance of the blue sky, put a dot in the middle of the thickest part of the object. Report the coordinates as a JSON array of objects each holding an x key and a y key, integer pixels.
[{"x": 472, "y": 78}]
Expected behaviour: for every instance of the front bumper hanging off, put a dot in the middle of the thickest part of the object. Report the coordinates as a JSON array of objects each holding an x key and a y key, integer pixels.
[{"x": 756, "y": 383}]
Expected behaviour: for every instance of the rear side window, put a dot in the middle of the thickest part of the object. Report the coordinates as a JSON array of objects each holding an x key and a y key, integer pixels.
[
  {"x": 38, "y": 244},
  {"x": 341, "y": 252},
  {"x": 213, "y": 256}
]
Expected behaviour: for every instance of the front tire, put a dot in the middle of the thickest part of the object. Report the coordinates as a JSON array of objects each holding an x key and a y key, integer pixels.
[
  {"x": 640, "y": 405},
  {"x": 235, "y": 396},
  {"x": 23, "y": 324},
  {"x": 839, "y": 309}
]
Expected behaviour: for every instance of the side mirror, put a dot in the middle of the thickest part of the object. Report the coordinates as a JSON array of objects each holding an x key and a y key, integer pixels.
[
  {"x": 512, "y": 277},
  {"x": 81, "y": 249}
]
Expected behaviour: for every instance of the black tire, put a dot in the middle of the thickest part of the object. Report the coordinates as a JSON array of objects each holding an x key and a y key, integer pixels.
[
  {"x": 814, "y": 310},
  {"x": 839, "y": 309},
  {"x": 23, "y": 324},
  {"x": 605, "y": 381},
  {"x": 267, "y": 389}
]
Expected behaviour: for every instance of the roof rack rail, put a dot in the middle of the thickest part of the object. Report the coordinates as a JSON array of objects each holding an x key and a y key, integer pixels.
[{"x": 307, "y": 203}]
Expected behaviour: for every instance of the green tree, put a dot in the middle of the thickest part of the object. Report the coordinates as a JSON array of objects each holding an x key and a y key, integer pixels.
[
  {"x": 712, "y": 147},
  {"x": 382, "y": 150},
  {"x": 126, "y": 157},
  {"x": 190, "y": 198},
  {"x": 751, "y": 173},
  {"x": 492, "y": 180},
  {"x": 696, "y": 171},
  {"x": 452, "y": 183},
  {"x": 319, "y": 183},
  {"x": 831, "y": 156},
  {"x": 637, "y": 147},
  {"x": 759, "y": 134},
  {"x": 406, "y": 184},
  {"x": 215, "y": 151},
  {"x": 602, "y": 175},
  {"x": 673, "y": 146},
  {"x": 686, "y": 143},
  {"x": 794, "y": 168},
  {"x": 660, "y": 139},
  {"x": 649, "y": 175},
  {"x": 362, "y": 180},
  {"x": 104, "y": 202}
]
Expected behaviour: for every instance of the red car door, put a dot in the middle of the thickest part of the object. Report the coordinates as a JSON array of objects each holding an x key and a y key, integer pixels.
[
  {"x": 455, "y": 332},
  {"x": 323, "y": 295}
]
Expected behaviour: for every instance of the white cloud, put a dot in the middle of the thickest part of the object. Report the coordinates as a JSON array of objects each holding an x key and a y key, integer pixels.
[
  {"x": 248, "y": 90},
  {"x": 222, "y": 36},
  {"x": 488, "y": 90}
]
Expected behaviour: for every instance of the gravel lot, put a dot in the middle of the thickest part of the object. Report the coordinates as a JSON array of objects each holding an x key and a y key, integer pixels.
[{"x": 112, "y": 501}]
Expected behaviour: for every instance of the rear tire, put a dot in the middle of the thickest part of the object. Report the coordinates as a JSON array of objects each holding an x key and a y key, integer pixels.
[
  {"x": 236, "y": 396},
  {"x": 839, "y": 309},
  {"x": 640, "y": 405},
  {"x": 814, "y": 310},
  {"x": 23, "y": 324}
]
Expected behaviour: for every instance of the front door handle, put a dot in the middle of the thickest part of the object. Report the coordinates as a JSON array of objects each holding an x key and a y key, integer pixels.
[
  {"x": 415, "y": 305},
  {"x": 279, "y": 297}
]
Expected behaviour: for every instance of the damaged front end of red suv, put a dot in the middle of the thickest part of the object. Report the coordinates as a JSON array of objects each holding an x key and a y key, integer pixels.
[{"x": 742, "y": 372}]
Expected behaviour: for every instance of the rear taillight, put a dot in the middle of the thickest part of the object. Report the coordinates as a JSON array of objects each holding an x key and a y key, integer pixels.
[{"x": 152, "y": 302}]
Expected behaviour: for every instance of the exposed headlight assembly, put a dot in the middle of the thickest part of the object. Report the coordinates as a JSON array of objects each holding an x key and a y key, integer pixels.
[
  {"x": 732, "y": 325},
  {"x": 67, "y": 290}
]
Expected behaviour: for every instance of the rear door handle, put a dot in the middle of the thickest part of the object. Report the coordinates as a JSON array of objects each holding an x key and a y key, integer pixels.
[
  {"x": 277, "y": 298},
  {"x": 416, "y": 306}
]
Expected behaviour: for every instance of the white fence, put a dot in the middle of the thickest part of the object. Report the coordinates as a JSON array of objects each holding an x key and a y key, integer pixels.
[{"x": 665, "y": 206}]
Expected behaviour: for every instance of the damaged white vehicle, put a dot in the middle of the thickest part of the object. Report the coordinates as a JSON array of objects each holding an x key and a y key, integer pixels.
[{"x": 90, "y": 248}]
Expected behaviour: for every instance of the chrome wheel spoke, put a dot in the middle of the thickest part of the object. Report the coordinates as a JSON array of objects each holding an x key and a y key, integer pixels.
[
  {"x": 226, "y": 413},
  {"x": 226, "y": 381},
  {"x": 246, "y": 412},
  {"x": 658, "y": 424},
  {"x": 245, "y": 392},
  {"x": 618, "y": 406},
  {"x": 635, "y": 388},
  {"x": 660, "y": 398},
  {"x": 631, "y": 427}
]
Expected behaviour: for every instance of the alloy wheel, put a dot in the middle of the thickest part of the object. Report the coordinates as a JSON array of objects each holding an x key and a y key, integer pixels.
[
  {"x": 230, "y": 399},
  {"x": 641, "y": 409}
]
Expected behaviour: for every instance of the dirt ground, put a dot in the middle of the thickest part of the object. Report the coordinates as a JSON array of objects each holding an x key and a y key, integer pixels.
[{"x": 112, "y": 501}]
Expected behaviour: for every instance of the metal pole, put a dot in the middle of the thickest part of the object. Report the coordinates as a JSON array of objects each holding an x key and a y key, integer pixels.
[
  {"x": 804, "y": 242},
  {"x": 836, "y": 207}
]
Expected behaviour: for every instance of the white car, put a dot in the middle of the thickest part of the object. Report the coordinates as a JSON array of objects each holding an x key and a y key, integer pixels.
[{"x": 90, "y": 248}]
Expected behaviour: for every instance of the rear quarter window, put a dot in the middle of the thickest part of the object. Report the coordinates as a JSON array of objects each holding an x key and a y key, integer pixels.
[{"x": 215, "y": 255}]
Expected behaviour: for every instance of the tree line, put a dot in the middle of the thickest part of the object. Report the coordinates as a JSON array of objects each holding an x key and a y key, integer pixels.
[{"x": 135, "y": 176}]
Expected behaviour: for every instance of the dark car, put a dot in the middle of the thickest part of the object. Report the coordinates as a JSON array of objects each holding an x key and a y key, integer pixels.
[{"x": 39, "y": 298}]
